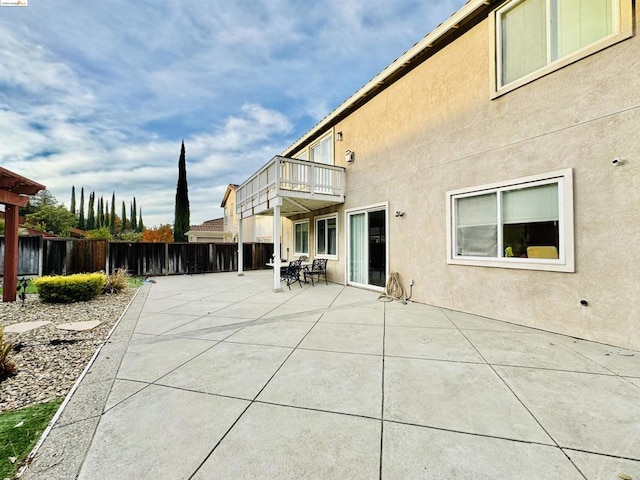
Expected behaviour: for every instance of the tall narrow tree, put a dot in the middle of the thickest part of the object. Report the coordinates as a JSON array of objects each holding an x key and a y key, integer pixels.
[
  {"x": 140, "y": 223},
  {"x": 182, "y": 217},
  {"x": 112, "y": 218},
  {"x": 100, "y": 213},
  {"x": 134, "y": 214},
  {"x": 123, "y": 227},
  {"x": 91, "y": 213},
  {"x": 72, "y": 208},
  {"x": 81, "y": 222}
]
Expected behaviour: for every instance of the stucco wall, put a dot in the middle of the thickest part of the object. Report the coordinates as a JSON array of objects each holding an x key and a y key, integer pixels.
[{"x": 437, "y": 129}]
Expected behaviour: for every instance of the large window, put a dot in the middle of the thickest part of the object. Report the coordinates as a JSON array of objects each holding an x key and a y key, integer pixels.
[
  {"x": 327, "y": 237},
  {"x": 301, "y": 238},
  {"x": 526, "y": 223},
  {"x": 539, "y": 35},
  {"x": 322, "y": 151}
]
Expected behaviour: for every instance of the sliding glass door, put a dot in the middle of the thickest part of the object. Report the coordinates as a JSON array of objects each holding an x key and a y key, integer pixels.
[{"x": 367, "y": 239}]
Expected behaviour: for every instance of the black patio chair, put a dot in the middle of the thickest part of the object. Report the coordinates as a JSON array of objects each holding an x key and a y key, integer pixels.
[
  {"x": 291, "y": 273},
  {"x": 318, "y": 268}
]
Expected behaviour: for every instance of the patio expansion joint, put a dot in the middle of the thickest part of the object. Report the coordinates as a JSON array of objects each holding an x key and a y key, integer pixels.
[
  {"x": 520, "y": 401},
  {"x": 609, "y": 455},
  {"x": 384, "y": 332},
  {"x": 251, "y": 402},
  {"x": 568, "y": 347},
  {"x": 481, "y": 435},
  {"x": 340, "y": 351},
  {"x": 560, "y": 370},
  {"x": 443, "y": 360}
]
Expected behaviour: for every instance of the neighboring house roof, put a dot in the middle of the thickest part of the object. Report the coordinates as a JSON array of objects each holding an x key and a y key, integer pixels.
[
  {"x": 32, "y": 232},
  {"x": 445, "y": 33},
  {"x": 231, "y": 188},
  {"x": 215, "y": 221},
  {"x": 78, "y": 232},
  {"x": 216, "y": 225}
]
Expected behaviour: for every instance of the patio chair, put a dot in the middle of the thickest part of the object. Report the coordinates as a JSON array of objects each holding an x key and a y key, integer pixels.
[
  {"x": 291, "y": 274},
  {"x": 318, "y": 268}
]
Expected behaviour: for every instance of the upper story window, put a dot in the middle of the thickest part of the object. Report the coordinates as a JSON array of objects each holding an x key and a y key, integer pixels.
[
  {"x": 322, "y": 151},
  {"x": 524, "y": 223},
  {"x": 534, "y": 37}
]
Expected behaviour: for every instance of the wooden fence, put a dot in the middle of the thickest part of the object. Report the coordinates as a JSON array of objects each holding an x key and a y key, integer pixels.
[{"x": 63, "y": 256}]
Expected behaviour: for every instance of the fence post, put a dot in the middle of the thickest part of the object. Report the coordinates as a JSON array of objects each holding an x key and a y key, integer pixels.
[
  {"x": 166, "y": 258},
  {"x": 40, "y": 256},
  {"x": 106, "y": 259}
]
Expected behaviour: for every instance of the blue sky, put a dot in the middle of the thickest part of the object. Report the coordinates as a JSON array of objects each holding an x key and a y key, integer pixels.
[{"x": 100, "y": 94}]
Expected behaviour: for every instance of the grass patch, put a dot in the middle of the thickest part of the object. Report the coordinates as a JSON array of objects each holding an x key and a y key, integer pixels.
[
  {"x": 30, "y": 287},
  {"x": 19, "y": 431},
  {"x": 135, "y": 281}
]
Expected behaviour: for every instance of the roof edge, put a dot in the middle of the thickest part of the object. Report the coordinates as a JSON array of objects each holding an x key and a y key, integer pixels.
[{"x": 451, "y": 23}]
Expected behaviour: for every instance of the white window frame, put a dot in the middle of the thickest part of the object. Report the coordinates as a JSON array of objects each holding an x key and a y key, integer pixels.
[
  {"x": 306, "y": 154},
  {"x": 622, "y": 13},
  {"x": 324, "y": 218},
  {"x": 299, "y": 222},
  {"x": 366, "y": 209},
  {"x": 566, "y": 260}
]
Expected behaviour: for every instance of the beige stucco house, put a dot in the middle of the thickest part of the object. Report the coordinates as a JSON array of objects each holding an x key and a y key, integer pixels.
[
  {"x": 496, "y": 164},
  {"x": 256, "y": 228},
  {"x": 208, "y": 231}
]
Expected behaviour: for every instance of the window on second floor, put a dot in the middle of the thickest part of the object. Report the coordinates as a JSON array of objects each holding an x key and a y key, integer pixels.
[
  {"x": 322, "y": 151},
  {"x": 536, "y": 36}
]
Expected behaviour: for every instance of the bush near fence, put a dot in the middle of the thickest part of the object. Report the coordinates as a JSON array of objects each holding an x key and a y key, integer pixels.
[{"x": 66, "y": 256}]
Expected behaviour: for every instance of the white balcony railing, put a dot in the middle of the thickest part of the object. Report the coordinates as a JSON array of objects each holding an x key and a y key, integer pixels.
[{"x": 288, "y": 178}]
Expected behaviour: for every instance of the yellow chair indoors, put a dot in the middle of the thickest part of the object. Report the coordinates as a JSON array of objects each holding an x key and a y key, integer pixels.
[{"x": 542, "y": 252}]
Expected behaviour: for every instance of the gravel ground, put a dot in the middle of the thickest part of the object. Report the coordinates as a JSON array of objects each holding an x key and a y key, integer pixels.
[{"x": 50, "y": 360}]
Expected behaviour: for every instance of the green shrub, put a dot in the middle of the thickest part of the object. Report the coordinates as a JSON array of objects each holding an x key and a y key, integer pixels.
[
  {"x": 7, "y": 367},
  {"x": 116, "y": 282},
  {"x": 71, "y": 288}
]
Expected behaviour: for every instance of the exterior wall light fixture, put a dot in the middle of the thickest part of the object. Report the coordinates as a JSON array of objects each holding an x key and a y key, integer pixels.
[
  {"x": 339, "y": 136},
  {"x": 349, "y": 157}
]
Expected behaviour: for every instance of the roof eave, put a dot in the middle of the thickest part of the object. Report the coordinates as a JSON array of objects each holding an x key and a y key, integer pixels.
[{"x": 374, "y": 86}]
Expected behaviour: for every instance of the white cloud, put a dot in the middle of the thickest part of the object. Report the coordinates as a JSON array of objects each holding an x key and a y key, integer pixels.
[{"x": 100, "y": 94}]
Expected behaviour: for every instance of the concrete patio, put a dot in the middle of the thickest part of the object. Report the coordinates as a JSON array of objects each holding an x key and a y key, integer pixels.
[{"x": 215, "y": 376}]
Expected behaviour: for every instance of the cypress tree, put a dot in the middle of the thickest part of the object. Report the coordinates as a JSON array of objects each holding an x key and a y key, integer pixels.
[
  {"x": 112, "y": 218},
  {"x": 134, "y": 211},
  {"x": 140, "y": 224},
  {"x": 91, "y": 214},
  {"x": 124, "y": 218},
  {"x": 100, "y": 214},
  {"x": 81, "y": 223},
  {"x": 182, "y": 217},
  {"x": 72, "y": 209}
]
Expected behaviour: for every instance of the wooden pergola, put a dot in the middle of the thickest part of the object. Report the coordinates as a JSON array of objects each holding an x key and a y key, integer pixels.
[{"x": 13, "y": 191}]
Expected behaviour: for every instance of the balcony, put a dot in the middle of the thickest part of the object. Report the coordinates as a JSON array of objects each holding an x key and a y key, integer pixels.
[{"x": 297, "y": 186}]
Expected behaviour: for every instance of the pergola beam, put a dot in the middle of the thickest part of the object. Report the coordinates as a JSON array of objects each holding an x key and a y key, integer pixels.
[
  {"x": 10, "y": 198},
  {"x": 13, "y": 191}
]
